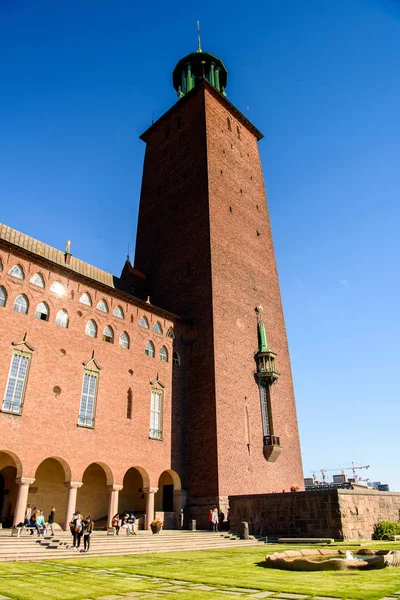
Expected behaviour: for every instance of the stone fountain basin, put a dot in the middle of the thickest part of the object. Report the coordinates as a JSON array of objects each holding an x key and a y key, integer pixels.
[{"x": 331, "y": 560}]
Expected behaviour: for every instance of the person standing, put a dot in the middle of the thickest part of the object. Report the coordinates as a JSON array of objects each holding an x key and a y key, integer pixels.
[
  {"x": 76, "y": 529},
  {"x": 116, "y": 523},
  {"x": 87, "y": 527},
  {"x": 210, "y": 520},
  {"x": 51, "y": 519},
  {"x": 215, "y": 520},
  {"x": 132, "y": 523},
  {"x": 28, "y": 514}
]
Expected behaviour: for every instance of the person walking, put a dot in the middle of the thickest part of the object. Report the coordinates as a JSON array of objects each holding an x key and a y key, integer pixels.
[
  {"x": 87, "y": 527},
  {"x": 51, "y": 519},
  {"x": 132, "y": 523},
  {"x": 28, "y": 514}
]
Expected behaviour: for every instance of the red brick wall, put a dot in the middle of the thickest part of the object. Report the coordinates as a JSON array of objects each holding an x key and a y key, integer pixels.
[
  {"x": 207, "y": 263},
  {"x": 48, "y": 424}
]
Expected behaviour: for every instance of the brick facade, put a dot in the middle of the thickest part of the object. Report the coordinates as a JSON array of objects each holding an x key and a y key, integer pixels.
[{"x": 210, "y": 263}]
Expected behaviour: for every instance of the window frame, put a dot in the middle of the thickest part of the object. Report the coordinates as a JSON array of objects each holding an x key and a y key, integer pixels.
[
  {"x": 84, "y": 402},
  {"x": 21, "y": 272},
  {"x": 164, "y": 356},
  {"x": 4, "y": 297},
  {"x": 108, "y": 338},
  {"x": 47, "y": 314},
  {"x": 157, "y": 327},
  {"x": 145, "y": 320},
  {"x": 118, "y": 309},
  {"x": 128, "y": 341},
  {"x": 22, "y": 387},
  {"x": 176, "y": 359},
  {"x": 27, "y": 304},
  {"x": 150, "y": 343},
  {"x": 59, "y": 324},
  {"x": 95, "y": 327},
  {"x": 156, "y": 414},
  {"x": 104, "y": 303},
  {"x": 88, "y": 296}
]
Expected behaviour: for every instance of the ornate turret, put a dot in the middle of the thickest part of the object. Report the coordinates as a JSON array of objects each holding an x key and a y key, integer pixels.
[
  {"x": 266, "y": 374},
  {"x": 197, "y": 66},
  {"x": 265, "y": 358}
]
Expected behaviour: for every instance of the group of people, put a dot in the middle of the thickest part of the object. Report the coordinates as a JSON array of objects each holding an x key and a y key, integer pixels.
[
  {"x": 125, "y": 521},
  {"x": 34, "y": 519},
  {"x": 80, "y": 527},
  {"x": 216, "y": 520}
]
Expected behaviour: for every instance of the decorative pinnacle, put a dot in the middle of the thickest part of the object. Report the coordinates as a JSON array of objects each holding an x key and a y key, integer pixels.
[
  {"x": 198, "y": 37},
  {"x": 68, "y": 247},
  {"x": 263, "y": 346}
]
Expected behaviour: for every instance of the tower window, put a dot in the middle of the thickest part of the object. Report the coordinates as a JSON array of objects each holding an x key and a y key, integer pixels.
[
  {"x": 176, "y": 359},
  {"x": 16, "y": 383},
  {"x": 3, "y": 296},
  {"x": 91, "y": 329},
  {"x": 238, "y": 131},
  {"x": 37, "y": 279},
  {"x": 163, "y": 354},
  {"x": 228, "y": 122},
  {"x": 149, "y": 350},
  {"x": 129, "y": 404},
  {"x": 88, "y": 399},
  {"x": 156, "y": 414},
  {"x": 124, "y": 340},
  {"x": 17, "y": 271},
  {"x": 85, "y": 299},
  {"x": 42, "y": 311},
  {"x": 21, "y": 304},
  {"x": 108, "y": 335},
  {"x": 266, "y": 409},
  {"x": 170, "y": 333},
  {"x": 62, "y": 318}
]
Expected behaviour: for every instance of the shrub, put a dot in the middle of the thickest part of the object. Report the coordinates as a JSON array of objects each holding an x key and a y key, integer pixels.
[{"x": 383, "y": 530}]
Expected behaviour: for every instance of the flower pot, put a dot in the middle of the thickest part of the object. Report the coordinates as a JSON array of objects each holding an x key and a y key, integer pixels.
[{"x": 155, "y": 528}]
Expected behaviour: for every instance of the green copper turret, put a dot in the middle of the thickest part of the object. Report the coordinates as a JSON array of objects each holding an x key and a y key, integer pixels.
[
  {"x": 194, "y": 68},
  {"x": 265, "y": 358}
]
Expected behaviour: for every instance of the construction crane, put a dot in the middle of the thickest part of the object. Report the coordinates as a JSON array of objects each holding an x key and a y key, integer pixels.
[{"x": 353, "y": 468}]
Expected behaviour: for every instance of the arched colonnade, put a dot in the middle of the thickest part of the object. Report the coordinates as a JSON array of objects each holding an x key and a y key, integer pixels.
[{"x": 97, "y": 495}]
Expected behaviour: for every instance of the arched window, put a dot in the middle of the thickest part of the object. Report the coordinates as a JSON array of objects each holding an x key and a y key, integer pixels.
[
  {"x": 157, "y": 327},
  {"x": 91, "y": 329},
  {"x": 42, "y": 311},
  {"x": 156, "y": 414},
  {"x": 85, "y": 299},
  {"x": 176, "y": 359},
  {"x": 21, "y": 304},
  {"x": 163, "y": 354},
  {"x": 228, "y": 122},
  {"x": 37, "y": 279},
  {"x": 143, "y": 322},
  {"x": 17, "y": 271},
  {"x": 108, "y": 335},
  {"x": 62, "y": 318},
  {"x": 124, "y": 340},
  {"x": 3, "y": 296},
  {"x": 170, "y": 333},
  {"x": 118, "y": 312},
  {"x": 16, "y": 384},
  {"x": 58, "y": 288},
  {"x": 149, "y": 350},
  {"x": 102, "y": 305}
]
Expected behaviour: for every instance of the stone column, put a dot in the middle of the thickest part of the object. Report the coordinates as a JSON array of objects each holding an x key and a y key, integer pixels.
[
  {"x": 149, "y": 505},
  {"x": 22, "y": 498},
  {"x": 73, "y": 487},
  {"x": 113, "y": 502}
]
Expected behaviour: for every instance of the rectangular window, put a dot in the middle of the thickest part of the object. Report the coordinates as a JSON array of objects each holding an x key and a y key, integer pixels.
[
  {"x": 88, "y": 399},
  {"x": 156, "y": 414},
  {"x": 16, "y": 384}
]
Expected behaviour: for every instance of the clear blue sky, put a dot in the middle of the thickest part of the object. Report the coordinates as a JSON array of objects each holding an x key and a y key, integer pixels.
[{"x": 78, "y": 83}]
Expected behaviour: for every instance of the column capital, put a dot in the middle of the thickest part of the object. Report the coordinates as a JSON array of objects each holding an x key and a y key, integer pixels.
[
  {"x": 150, "y": 490},
  {"x": 25, "y": 480},
  {"x": 114, "y": 488},
  {"x": 73, "y": 485}
]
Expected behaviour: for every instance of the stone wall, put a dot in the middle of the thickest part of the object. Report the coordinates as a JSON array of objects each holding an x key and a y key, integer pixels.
[{"x": 340, "y": 514}]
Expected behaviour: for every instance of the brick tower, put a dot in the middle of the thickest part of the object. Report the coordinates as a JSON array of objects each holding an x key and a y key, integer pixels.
[{"x": 204, "y": 241}]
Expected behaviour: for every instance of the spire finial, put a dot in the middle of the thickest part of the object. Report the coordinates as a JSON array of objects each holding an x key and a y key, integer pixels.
[{"x": 198, "y": 37}]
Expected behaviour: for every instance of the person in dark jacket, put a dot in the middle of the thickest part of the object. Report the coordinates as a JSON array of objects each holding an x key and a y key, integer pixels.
[
  {"x": 51, "y": 519},
  {"x": 87, "y": 526}
]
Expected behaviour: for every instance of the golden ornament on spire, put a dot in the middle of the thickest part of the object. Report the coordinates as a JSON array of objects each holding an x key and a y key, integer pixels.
[{"x": 198, "y": 38}]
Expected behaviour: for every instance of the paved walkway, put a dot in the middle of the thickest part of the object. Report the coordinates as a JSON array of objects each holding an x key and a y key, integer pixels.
[{"x": 166, "y": 588}]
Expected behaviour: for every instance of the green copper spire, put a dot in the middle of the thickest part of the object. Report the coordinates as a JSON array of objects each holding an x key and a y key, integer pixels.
[
  {"x": 197, "y": 66},
  {"x": 263, "y": 345}
]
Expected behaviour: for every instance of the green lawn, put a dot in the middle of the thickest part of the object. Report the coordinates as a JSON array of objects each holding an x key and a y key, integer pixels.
[{"x": 239, "y": 567}]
